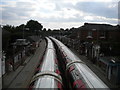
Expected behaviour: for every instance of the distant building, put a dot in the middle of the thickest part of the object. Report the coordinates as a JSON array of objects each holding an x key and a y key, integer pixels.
[
  {"x": 21, "y": 42},
  {"x": 97, "y": 32}
]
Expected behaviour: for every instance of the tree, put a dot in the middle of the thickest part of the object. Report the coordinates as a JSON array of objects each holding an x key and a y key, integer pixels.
[
  {"x": 44, "y": 29},
  {"x": 49, "y": 30},
  {"x": 9, "y": 28},
  {"x": 66, "y": 29},
  {"x": 6, "y": 37},
  {"x": 20, "y": 28},
  {"x": 61, "y": 29},
  {"x": 33, "y": 25}
]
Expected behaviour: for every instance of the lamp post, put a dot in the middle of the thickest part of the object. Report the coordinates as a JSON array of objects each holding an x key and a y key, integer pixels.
[{"x": 97, "y": 47}]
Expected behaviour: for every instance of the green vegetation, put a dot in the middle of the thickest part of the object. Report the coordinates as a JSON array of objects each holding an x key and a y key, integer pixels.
[{"x": 32, "y": 27}]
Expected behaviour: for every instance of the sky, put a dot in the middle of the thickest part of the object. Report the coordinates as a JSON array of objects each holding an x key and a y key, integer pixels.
[{"x": 55, "y": 14}]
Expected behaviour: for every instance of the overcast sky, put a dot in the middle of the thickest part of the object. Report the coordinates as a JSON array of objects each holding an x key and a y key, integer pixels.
[{"x": 55, "y": 14}]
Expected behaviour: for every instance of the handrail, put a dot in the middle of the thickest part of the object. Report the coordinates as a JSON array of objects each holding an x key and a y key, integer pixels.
[
  {"x": 47, "y": 73},
  {"x": 73, "y": 62}
]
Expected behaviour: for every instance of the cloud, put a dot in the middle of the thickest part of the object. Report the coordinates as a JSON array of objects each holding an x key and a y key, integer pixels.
[
  {"x": 57, "y": 25},
  {"x": 102, "y": 8},
  {"x": 62, "y": 13}
]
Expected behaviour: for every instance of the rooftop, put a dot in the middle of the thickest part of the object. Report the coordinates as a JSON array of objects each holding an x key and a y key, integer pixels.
[
  {"x": 94, "y": 26},
  {"x": 110, "y": 60}
]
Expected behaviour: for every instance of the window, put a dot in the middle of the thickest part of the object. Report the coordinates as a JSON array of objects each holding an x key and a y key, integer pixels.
[
  {"x": 102, "y": 34},
  {"x": 89, "y": 33}
]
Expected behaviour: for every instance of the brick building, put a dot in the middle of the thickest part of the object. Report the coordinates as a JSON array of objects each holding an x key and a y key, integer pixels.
[
  {"x": 100, "y": 43},
  {"x": 98, "y": 32},
  {"x": 103, "y": 35}
]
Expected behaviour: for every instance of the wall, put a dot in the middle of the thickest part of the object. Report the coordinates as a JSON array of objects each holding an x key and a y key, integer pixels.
[
  {"x": 0, "y": 58},
  {"x": 112, "y": 35}
]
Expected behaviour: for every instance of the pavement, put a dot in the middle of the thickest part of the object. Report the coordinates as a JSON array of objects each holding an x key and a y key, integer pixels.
[
  {"x": 21, "y": 77},
  {"x": 95, "y": 69}
]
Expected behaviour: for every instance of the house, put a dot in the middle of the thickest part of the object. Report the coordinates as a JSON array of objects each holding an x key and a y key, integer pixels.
[
  {"x": 22, "y": 42},
  {"x": 98, "y": 32},
  {"x": 104, "y": 35}
]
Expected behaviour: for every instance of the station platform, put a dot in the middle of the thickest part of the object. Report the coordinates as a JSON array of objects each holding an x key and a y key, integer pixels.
[{"x": 21, "y": 77}]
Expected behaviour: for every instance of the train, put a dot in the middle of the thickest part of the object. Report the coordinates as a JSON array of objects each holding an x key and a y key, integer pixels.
[
  {"x": 60, "y": 68},
  {"x": 79, "y": 74},
  {"x": 47, "y": 74}
]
